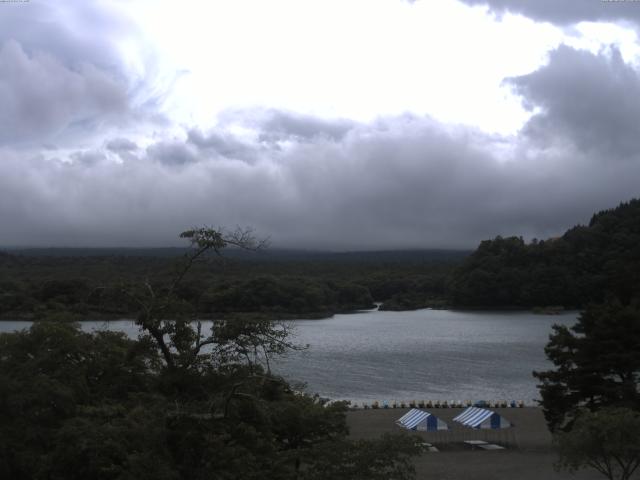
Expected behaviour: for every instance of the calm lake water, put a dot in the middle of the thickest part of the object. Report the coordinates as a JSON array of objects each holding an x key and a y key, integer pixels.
[{"x": 423, "y": 354}]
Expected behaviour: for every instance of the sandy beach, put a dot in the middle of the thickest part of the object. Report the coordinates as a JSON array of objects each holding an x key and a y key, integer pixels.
[{"x": 528, "y": 453}]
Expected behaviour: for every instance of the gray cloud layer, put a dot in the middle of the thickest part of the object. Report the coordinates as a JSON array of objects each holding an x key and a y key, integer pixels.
[
  {"x": 73, "y": 31},
  {"x": 62, "y": 74},
  {"x": 307, "y": 182},
  {"x": 399, "y": 182},
  {"x": 41, "y": 97},
  {"x": 566, "y": 12},
  {"x": 590, "y": 100}
]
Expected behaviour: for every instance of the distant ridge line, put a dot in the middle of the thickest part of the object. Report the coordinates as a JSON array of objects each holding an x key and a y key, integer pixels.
[{"x": 435, "y": 254}]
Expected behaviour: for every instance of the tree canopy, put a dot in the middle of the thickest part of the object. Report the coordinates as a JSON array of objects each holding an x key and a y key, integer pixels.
[
  {"x": 586, "y": 264},
  {"x": 597, "y": 364},
  {"x": 178, "y": 402},
  {"x": 607, "y": 441}
]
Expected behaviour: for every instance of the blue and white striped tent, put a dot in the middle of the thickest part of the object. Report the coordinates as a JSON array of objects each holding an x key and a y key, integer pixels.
[
  {"x": 422, "y": 421},
  {"x": 475, "y": 417}
]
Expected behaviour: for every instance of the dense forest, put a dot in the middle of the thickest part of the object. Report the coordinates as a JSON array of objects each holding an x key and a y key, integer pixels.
[
  {"x": 587, "y": 264},
  {"x": 77, "y": 284}
]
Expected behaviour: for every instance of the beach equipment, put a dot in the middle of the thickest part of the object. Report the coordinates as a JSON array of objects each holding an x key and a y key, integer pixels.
[
  {"x": 483, "y": 445},
  {"x": 481, "y": 418},
  {"x": 421, "y": 421}
]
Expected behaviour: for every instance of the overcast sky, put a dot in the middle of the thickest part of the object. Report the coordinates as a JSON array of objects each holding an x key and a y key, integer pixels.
[{"x": 331, "y": 124}]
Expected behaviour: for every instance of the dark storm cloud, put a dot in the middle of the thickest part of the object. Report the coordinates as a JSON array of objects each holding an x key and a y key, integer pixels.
[
  {"x": 274, "y": 128},
  {"x": 88, "y": 158},
  {"x": 173, "y": 152},
  {"x": 590, "y": 100},
  {"x": 221, "y": 143},
  {"x": 118, "y": 145},
  {"x": 566, "y": 12},
  {"x": 125, "y": 149},
  {"x": 398, "y": 182},
  {"x": 277, "y": 125}
]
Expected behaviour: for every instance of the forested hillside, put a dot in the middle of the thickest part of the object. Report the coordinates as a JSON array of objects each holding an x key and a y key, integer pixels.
[
  {"x": 586, "y": 264},
  {"x": 85, "y": 283}
]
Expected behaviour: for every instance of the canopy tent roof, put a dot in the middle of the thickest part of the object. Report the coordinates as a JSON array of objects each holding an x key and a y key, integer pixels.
[
  {"x": 422, "y": 421},
  {"x": 475, "y": 417}
]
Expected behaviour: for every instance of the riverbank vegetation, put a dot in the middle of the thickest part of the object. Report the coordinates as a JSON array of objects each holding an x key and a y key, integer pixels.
[{"x": 586, "y": 264}]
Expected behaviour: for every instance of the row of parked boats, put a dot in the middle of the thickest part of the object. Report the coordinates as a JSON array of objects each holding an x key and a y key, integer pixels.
[{"x": 438, "y": 404}]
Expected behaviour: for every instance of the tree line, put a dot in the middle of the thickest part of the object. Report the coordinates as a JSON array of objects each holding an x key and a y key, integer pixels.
[
  {"x": 587, "y": 264},
  {"x": 80, "y": 287}
]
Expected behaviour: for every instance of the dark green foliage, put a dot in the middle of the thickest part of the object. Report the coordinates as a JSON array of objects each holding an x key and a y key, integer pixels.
[
  {"x": 178, "y": 403},
  {"x": 280, "y": 285},
  {"x": 607, "y": 441},
  {"x": 409, "y": 292},
  {"x": 269, "y": 294},
  {"x": 584, "y": 265},
  {"x": 51, "y": 378},
  {"x": 109, "y": 442},
  {"x": 64, "y": 291},
  {"x": 75, "y": 405},
  {"x": 597, "y": 364},
  {"x": 390, "y": 457}
]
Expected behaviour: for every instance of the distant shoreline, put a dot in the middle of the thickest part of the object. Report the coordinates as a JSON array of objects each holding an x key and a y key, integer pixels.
[{"x": 101, "y": 316}]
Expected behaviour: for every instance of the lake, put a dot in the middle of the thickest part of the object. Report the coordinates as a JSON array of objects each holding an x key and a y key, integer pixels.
[{"x": 422, "y": 354}]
